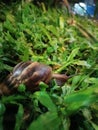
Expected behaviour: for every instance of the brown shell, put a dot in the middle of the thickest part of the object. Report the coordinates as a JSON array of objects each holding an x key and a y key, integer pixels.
[{"x": 29, "y": 73}]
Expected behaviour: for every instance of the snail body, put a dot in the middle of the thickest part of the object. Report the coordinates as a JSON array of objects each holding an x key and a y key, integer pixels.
[{"x": 31, "y": 74}]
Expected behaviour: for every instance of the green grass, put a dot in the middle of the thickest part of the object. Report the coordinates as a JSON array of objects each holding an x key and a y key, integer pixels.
[{"x": 28, "y": 32}]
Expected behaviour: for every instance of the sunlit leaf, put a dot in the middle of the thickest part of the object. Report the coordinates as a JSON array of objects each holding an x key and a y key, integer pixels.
[
  {"x": 73, "y": 54},
  {"x": 83, "y": 63},
  {"x": 95, "y": 126},
  {"x": 61, "y": 22}
]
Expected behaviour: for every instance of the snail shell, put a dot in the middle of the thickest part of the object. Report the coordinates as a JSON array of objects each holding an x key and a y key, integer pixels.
[{"x": 28, "y": 73}]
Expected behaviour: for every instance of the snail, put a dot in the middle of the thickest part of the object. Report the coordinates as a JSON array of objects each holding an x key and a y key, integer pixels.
[{"x": 31, "y": 74}]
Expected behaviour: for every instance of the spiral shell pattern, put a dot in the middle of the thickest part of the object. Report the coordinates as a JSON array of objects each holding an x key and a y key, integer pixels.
[{"x": 28, "y": 73}]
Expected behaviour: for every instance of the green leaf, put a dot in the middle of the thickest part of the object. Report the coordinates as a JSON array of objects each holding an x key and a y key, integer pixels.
[
  {"x": 53, "y": 30},
  {"x": 2, "y": 110},
  {"x": 45, "y": 31},
  {"x": 83, "y": 63},
  {"x": 69, "y": 61},
  {"x": 21, "y": 88},
  {"x": 47, "y": 121},
  {"x": 19, "y": 117},
  {"x": 79, "y": 99},
  {"x": 95, "y": 126},
  {"x": 12, "y": 98},
  {"x": 61, "y": 22},
  {"x": 73, "y": 54},
  {"x": 92, "y": 80},
  {"x": 43, "y": 86},
  {"x": 45, "y": 100},
  {"x": 76, "y": 79}
]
